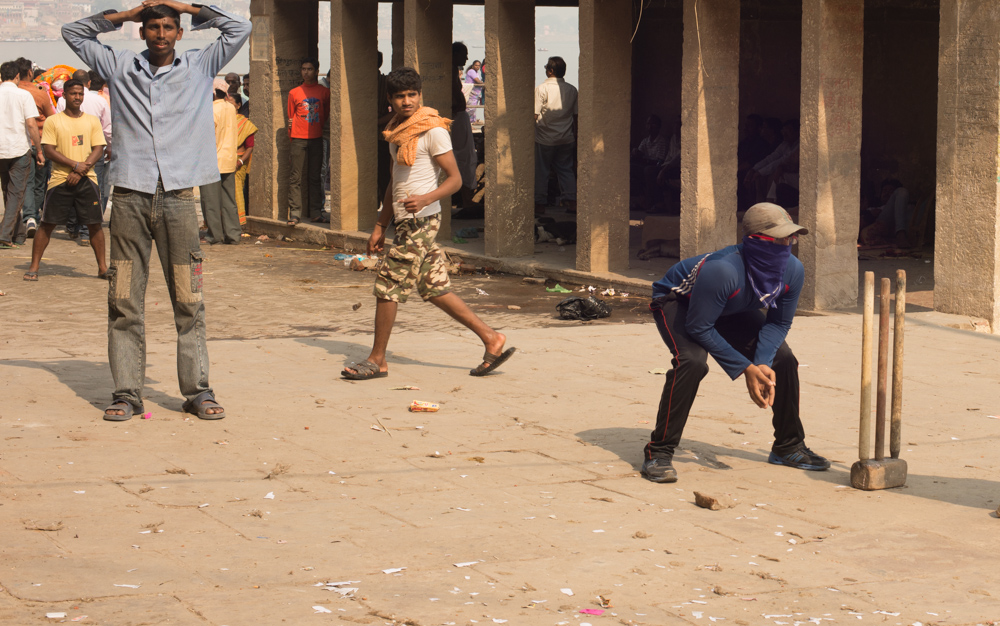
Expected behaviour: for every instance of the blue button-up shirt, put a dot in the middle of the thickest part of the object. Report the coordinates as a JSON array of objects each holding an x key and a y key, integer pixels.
[{"x": 163, "y": 120}]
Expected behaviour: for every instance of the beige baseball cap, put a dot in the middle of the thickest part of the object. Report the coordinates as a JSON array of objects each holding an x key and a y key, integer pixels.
[{"x": 765, "y": 218}]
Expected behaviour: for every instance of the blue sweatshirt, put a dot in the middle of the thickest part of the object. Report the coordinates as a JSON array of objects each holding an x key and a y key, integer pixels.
[{"x": 718, "y": 288}]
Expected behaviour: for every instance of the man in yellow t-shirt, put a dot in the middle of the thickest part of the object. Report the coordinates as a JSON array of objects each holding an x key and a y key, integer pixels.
[
  {"x": 73, "y": 141},
  {"x": 218, "y": 200}
]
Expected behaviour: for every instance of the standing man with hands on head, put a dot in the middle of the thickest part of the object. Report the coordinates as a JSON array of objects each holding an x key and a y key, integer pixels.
[
  {"x": 421, "y": 151},
  {"x": 712, "y": 304},
  {"x": 165, "y": 138},
  {"x": 74, "y": 143}
]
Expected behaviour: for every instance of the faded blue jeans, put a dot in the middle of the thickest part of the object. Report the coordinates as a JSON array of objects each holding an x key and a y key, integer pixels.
[{"x": 169, "y": 219}]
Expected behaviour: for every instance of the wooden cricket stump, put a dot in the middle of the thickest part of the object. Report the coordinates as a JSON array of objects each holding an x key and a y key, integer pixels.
[{"x": 881, "y": 473}]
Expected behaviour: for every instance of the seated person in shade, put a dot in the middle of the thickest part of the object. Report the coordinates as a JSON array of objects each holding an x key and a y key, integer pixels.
[
  {"x": 890, "y": 221},
  {"x": 760, "y": 177}
]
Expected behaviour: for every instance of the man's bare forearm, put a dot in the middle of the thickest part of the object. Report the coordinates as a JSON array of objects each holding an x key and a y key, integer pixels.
[{"x": 132, "y": 15}]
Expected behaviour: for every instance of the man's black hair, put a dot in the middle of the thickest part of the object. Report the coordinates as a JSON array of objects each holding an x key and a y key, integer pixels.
[
  {"x": 38, "y": 72},
  {"x": 403, "y": 79},
  {"x": 8, "y": 71},
  {"x": 72, "y": 83},
  {"x": 96, "y": 82},
  {"x": 380, "y": 58},
  {"x": 311, "y": 60},
  {"x": 81, "y": 75},
  {"x": 159, "y": 12},
  {"x": 459, "y": 51},
  {"x": 557, "y": 66},
  {"x": 24, "y": 67}
]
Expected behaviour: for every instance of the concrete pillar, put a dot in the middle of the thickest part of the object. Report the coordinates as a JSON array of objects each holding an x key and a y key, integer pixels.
[
  {"x": 967, "y": 218},
  {"x": 398, "y": 39},
  {"x": 510, "y": 144},
  {"x": 709, "y": 125},
  {"x": 353, "y": 119},
  {"x": 830, "y": 151},
  {"x": 603, "y": 144},
  {"x": 427, "y": 49},
  {"x": 284, "y": 32}
]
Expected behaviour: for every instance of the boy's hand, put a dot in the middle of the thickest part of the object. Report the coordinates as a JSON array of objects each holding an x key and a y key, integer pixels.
[
  {"x": 415, "y": 204},
  {"x": 180, "y": 7},
  {"x": 73, "y": 178},
  {"x": 376, "y": 242}
]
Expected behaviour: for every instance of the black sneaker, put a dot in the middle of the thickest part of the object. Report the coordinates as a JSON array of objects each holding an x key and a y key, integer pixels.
[
  {"x": 800, "y": 457},
  {"x": 659, "y": 471}
]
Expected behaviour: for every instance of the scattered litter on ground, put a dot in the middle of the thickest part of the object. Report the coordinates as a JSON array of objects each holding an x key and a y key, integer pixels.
[
  {"x": 585, "y": 309},
  {"x": 201, "y": 506},
  {"x": 269, "y": 496},
  {"x": 513, "y": 307},
  {"x": 55, "y": 615},
  {"x": 567, "y": 591},
  {"x": 321, "y": 609},
  {"x": 406, "y": 388},
  {"x": 263, "y": 238},
  {"x": 640, "y": 534},
  {"x": 658, "y": 371},
  {"x": 533, "y": 280},
  {"x": 79, "y": 492},
  {"x": 419, "y": 406},
  {"x": 557, "y": 289},
  {"x": 393, "y": 570},
  {"x": 466, "y": 564},
  {"x": 32, "y": 525},
  {"x": 713, "y": 503},
  {"x": 78, "y": 618},
  {"x": 481, "y": 292},
  {"x": 356, "y": 306},
  {"x": 129, "y": 586},
  {"x": 147, "y": 415},
  {"x": 592, "y": 611}
]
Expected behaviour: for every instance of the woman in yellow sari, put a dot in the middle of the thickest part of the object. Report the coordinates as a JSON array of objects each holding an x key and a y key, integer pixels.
[{"x": 245, "y": 132}]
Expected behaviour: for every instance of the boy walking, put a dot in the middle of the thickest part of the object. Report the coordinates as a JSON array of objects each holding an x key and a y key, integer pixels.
[
  {"x": 308, "y": 113},
  {"x": 218, "y": 199},
  {"x": 420, "y": 147},
  {"x": 164, "y": 128},
  {"x": 73, "y": 142}
]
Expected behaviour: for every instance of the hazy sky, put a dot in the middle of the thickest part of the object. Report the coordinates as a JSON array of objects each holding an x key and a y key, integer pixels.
[{"x": 556, "y": 29}]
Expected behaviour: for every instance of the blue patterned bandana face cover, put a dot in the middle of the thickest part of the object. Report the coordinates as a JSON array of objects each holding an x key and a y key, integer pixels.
[{"x": 765, "y": 263}]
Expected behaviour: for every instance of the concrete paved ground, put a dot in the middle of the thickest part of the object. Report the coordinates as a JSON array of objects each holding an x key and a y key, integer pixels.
[{"x": 522, "y": 490}]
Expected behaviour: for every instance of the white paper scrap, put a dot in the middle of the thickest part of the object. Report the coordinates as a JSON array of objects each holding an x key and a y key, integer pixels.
[
  {"x": 567, "y": 591},
  {"x": 497, "y": 620},
  {"x": 55, "y": 615},
  {"x": 466, "y": 564},
  {"x": 79, "y": 492},
  {"x": 321, "y": 609},
  {"x": 201, "y": 506},
  {"x": 339, "y": 584},
  {"x": 129, "y": 586},
  {"x": 697, "y": 614},
  {"x": 393, "y": 570},
  {"x": 269, "y": 496}
]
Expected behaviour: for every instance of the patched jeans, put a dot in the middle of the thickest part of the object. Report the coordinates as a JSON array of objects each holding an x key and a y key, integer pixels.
[{"x": 169, "y": 219}]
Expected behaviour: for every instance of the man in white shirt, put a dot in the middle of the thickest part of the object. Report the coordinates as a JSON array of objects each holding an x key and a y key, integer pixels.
[
  {"x": 17, "y": 125},
  {"x": 421, "y": 152},
  {"x": 555, "y": 135},
  {"x": 779, "y": 167},
  {"x": 94, "y": 104}
]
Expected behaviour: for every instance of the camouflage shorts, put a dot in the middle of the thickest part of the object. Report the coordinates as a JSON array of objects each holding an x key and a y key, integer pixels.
[{"x": 413, "y": 260}]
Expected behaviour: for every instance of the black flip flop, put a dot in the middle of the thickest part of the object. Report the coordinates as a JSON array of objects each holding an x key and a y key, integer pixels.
[
  {"x": 493, "y": 362},
  {"x": 31, "y": 277},
  {"x": 366, "y": 370},
  {"x": 119, "y": 405},
  {"x": 200, "y": 405}
]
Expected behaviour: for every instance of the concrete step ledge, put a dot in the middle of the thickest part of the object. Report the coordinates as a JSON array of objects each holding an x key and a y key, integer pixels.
[{"x": 356, "y": 241}]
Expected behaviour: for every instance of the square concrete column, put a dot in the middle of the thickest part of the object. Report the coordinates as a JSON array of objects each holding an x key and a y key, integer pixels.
[
  {"x": 510, "y": 144},
  {"x": 605, "y": 104},
  {"x": 830, "y": 151},
  {"x": 427, "y": 49},
  {"x": 398, "y": 39},
  {"x": 709, "y": 125},
  {"x": 967, "y": 238},
  {"x": 353, "y": 114},
  {"x": 284, "y": 32}
]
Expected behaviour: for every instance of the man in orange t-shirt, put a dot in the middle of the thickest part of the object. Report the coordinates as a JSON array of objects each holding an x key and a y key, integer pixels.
[
  {"x": 308, "y": 111},
  {"x": 34, "y": 195}
]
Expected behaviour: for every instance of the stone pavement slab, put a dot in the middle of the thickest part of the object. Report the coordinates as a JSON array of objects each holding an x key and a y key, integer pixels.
[{"x": 490, "y": 505}]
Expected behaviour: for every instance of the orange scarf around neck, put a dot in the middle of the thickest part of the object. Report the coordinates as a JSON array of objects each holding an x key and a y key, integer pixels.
[{"x": 406, "y": 132}]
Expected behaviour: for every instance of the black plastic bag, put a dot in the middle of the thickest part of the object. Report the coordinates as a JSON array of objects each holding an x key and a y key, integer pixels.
[{"x": 577, "y": 308}]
